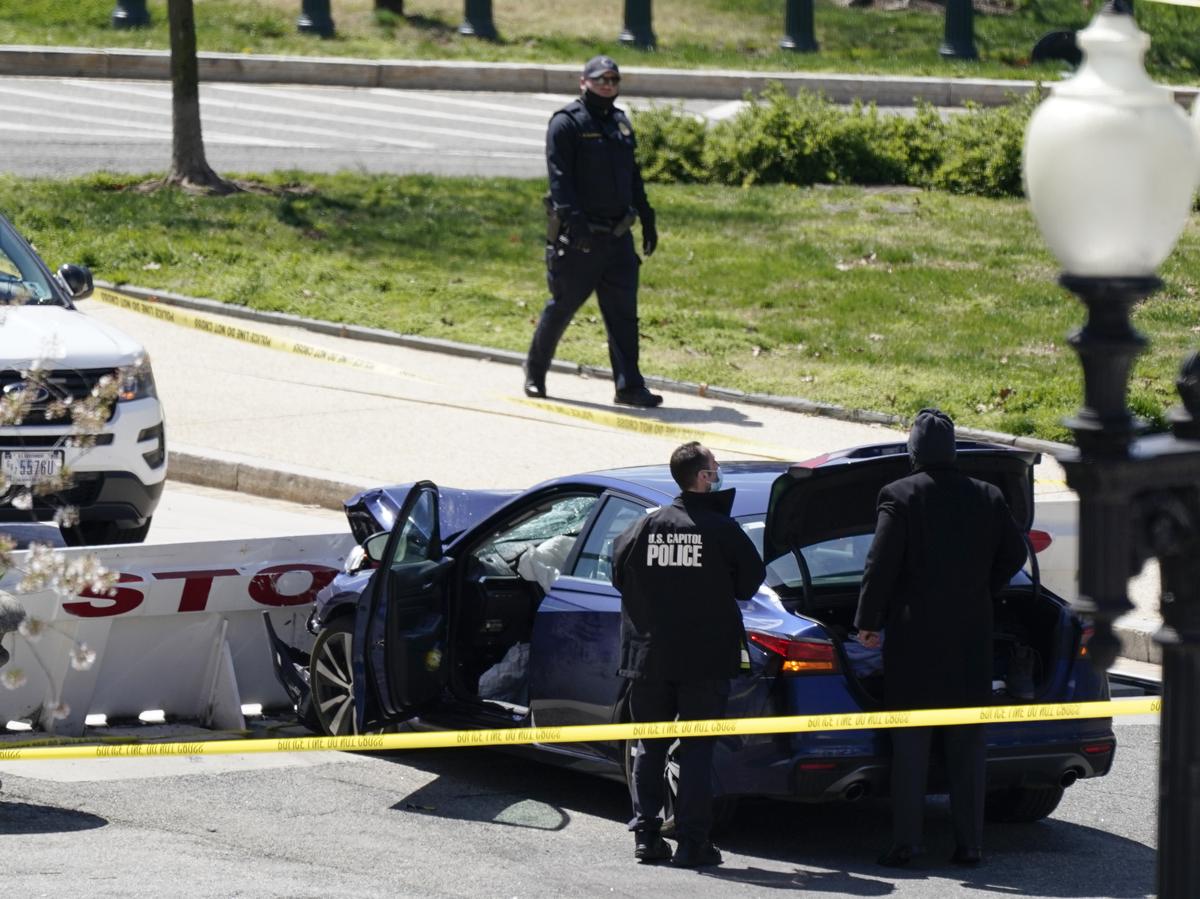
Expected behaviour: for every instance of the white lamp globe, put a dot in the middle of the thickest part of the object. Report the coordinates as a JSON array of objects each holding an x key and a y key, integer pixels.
[{"x": 1111, "y": 162}]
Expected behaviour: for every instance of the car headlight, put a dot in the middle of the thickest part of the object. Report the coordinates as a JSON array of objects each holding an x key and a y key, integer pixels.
[{"x": 136, "y": 381}]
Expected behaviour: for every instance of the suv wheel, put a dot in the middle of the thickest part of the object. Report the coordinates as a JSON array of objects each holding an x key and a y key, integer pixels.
[
  {"x": 1021, "y": 805},
  {"x": 100, "y": 533}
]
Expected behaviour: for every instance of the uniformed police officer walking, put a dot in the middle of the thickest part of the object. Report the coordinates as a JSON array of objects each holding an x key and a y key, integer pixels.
[
  {"x": 681, "y": 570},
  {"x": 596, "y": 194}
]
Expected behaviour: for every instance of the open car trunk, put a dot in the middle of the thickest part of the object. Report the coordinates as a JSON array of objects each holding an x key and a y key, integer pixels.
[
  {"x": 1028, "y": 640},
  {"x": 821, "y": 517}
]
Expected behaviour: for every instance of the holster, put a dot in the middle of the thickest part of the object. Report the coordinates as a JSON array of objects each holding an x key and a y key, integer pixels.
[
  {"x": 553, "y": 221},
  {"x": 621, "y": 227}
]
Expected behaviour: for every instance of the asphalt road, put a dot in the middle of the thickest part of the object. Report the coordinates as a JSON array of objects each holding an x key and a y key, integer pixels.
[
  {"x": 481, "y": 823},
  {"x": 59, "y": 127}
]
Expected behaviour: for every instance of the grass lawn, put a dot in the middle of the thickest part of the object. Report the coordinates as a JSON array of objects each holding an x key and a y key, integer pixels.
[
  {"x": 691, "y": 33},
  {"x": 879, "y": 299}
]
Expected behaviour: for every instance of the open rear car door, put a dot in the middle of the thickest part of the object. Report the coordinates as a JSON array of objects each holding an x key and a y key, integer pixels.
[{"x": 401, "y": 621}]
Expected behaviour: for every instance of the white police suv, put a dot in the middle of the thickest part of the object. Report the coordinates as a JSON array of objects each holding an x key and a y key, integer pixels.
[{"x": 81, "y": 428}]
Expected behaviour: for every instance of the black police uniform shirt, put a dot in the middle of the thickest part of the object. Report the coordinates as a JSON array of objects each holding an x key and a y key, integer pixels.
[
  {"x": 681, "y": 570},
  {"x": 591, "y": 163}
]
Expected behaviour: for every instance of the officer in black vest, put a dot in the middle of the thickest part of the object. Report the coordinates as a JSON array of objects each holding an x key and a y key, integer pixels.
[
  {"x": 596, "y": 194},
  {"x": 681, "y": 571}
]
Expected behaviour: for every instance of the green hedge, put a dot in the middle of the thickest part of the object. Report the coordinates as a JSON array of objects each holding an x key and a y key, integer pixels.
[{"x": 805, "y": 139}]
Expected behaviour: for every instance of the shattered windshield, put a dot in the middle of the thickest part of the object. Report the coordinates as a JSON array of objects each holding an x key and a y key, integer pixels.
[{"x": 22, "y": 280}]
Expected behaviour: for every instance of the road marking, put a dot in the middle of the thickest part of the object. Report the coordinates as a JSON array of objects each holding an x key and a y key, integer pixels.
[
  {"x": 726, "y": 727},
  {"x": 212, "y": 325},
  {"x": 341, "y": 136},
  {"x": 444, "y": 100},
  {"x": 390, "y": 108}
]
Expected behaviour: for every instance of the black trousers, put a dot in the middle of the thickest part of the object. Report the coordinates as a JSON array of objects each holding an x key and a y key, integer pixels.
[
  {"x": 663, "y": 701},
  {"x": 965, "y": 752},
  {"x": 610, "y": 270}
]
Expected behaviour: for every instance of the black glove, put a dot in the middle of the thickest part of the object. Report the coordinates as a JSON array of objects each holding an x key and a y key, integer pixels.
[
  {"x": 579, "y": 234},
  {"x": 649, "y": 235}
]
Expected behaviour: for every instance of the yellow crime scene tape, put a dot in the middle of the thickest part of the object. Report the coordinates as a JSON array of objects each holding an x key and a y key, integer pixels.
[
  {"x": 211, "y": 325},
  {"x": 604, "y": 732}
]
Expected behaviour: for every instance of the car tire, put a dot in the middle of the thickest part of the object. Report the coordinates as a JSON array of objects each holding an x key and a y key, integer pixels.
[
  {"x": 1021, "y": 805},
  {"x": 331, "y": 679},
  {"x": 723, "y": 810},
  {"x": 101, "y": 533}
]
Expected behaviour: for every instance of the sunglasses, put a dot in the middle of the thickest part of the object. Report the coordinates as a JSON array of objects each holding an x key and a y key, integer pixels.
[{"x": 607, "y": 79}]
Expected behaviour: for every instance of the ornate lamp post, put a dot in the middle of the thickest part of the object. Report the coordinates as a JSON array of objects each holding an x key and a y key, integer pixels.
[
  {"x": 1111, "y": 165},
  {"x": 315, "y": 18}
]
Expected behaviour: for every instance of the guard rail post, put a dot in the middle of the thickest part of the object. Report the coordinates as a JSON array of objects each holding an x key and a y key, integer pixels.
[
  {"x": 477, "y": 20},
  {"x": 798, "y": 34},
  {"x": 130, "y": 14},
  {"x": 638, "y": 30},
  {"x": 315, "y": 18},
  {"x": 958, "y": 41}
]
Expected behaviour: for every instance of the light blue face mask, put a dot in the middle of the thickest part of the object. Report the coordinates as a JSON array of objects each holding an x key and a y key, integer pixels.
[{"x": 716, "y": 484}]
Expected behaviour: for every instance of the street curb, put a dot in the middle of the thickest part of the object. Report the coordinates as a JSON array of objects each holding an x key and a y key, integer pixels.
[
  {"x": 276, "y": 480},
  {"x": 401, "y": 74},
  {"x": 472, "y": 351}
]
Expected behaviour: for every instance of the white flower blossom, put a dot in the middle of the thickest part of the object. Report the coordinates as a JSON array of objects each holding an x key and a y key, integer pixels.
[
  {"x": 13, "y": 678},
  {"x": 32, "y": 628},
  {"x": 82, "y": 658},
  {"x": 66, "y": 516},
  {"x": 60, "y": 711},
  {"x": 23, "y": 501}
]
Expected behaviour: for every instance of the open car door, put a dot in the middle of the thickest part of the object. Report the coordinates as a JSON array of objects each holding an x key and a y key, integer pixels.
[{"x": 400, "y": 625}]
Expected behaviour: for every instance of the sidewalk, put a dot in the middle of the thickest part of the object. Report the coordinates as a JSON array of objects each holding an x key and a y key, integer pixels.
[
  {"x": 639, "y": 81},
  {"x": 244, "y": 416}
]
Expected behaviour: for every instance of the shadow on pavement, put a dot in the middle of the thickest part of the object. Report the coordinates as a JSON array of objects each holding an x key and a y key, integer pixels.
[
  {"x": 668, "y": 414},
  {"x": 1052, "y": 858},
  {"x": 505, "y": 789},
  {"x": 23, "y": 818},
  {"x": 832, "y": 847}
]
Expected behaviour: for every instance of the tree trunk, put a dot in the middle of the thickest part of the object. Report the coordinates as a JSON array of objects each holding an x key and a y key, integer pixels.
[
  {"x": 189, "y": 168},
  {"x": 396, "y": 6}
]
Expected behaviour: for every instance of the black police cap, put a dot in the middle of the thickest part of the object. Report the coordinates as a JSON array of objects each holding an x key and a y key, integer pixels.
[{"x": 598, "y": 65}]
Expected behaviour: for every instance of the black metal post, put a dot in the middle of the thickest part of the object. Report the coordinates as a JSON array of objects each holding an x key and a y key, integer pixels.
[
  {"x": 315, "y": 18},
  {"x": 1140, "y": 498},
  {"x": 639, "y": 27},
  {"x": 798, "y": 34},
  {"x": 477, "y": 20},
  {"x": 958, "y": 41},
  {"x": 130, "y": 14}
]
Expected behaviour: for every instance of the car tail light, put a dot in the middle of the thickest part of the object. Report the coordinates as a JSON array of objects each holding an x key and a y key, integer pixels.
[
  {"x": 1100, "y": 748},
  {"x": 1084, "y": 637},
  {"x": 799, "y": 656},
  {"x": 1039, "y": 540}
]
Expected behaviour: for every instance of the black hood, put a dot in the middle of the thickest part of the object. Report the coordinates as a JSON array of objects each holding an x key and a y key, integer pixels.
[{"x": 931, "y": 440}]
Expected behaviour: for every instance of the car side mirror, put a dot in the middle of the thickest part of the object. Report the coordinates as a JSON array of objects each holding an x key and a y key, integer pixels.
[
  {"x": 375, "y": 545},
  {"x": 78, "y": 279}
]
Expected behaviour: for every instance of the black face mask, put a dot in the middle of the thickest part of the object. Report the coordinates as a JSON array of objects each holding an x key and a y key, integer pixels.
[{"x": 596, "y": 103}]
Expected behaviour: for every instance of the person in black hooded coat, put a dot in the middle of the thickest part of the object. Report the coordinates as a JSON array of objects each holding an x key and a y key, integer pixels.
[{"x": 944, "y": 544}]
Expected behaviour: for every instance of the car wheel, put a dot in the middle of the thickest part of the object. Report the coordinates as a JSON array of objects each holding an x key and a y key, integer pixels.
[
  {"x": 101, "y": 533},
  {"x": 1021, "y": 805},
  {"x": 723, "y": 810},
  {"x": 331, "y": 679}
]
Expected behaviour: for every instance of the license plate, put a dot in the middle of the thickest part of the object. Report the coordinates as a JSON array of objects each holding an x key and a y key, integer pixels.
[{"x": 27, "y": 468}]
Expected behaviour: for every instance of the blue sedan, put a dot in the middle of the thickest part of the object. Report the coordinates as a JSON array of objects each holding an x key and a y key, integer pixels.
[{"x": 485, "y": 609}]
